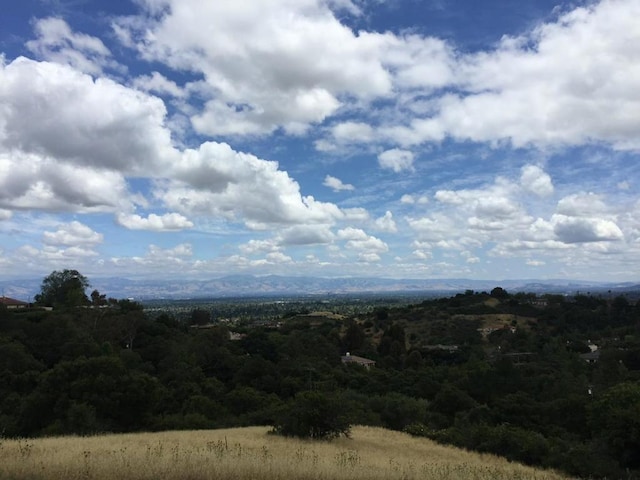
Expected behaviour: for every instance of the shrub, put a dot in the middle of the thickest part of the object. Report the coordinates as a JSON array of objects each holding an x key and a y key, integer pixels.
[
  {"x": 397, "y": 410},
  {"x": 312, "y": 415}
]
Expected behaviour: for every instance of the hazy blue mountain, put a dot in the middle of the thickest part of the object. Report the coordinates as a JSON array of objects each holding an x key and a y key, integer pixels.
[{"x": 247, "y": 285}]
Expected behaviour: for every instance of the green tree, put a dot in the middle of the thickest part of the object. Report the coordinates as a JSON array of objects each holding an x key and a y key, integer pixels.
[
  {"x": 499, "y": 293},
  {"x": 98, "y": 299},
  {"x": 87, "y": 395},
  {"x": 313, "y": 415},
  {"x": 621, "y": 311},
  {"x": 615, "y": 420},
  {"x": 450, "y": 400},
  {"x": 200, "y": 316},
  {"x": 414, "y": 360},
  {"x": 63, "y": 289},
  {"x": 354, "y": 337},
  {"x": 397, "y": 410},
  {"x": 394, "y": 335}
]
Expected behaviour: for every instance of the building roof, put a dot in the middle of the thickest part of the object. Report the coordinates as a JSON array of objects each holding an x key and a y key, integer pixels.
[
  {"x": 348, "y": 358},
  {"x": 12, "y": 302},
  {"x": 591, "y": 356}
]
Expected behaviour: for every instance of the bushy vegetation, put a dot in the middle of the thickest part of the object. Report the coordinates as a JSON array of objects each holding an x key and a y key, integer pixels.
[
  {"x": 493, "y": 372},
  {"x": 312, "y": 415}
]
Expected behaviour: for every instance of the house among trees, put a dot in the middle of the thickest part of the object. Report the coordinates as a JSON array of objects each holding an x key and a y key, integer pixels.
[
  {"x": 591, "y": 357},
  {"x": 12, "y": 302},
  {"x": 354, "y": 359}
]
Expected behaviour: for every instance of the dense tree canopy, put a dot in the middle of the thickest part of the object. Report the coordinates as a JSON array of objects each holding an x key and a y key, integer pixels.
[
  {"x": 313, "y": 415},
  {"x": 499, "y": 292},
  {"x": 616, "y": 418},
  {"x": 63, "y": 289}
]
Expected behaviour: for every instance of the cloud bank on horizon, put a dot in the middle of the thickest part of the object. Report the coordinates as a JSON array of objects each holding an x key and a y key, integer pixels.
[{"x": 194, "y": 139}]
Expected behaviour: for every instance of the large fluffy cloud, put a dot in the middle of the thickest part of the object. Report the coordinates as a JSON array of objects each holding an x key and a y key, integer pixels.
[
  {"x": 266, "y": 64},
  {"x": 216, "y": 180},
  {"x": 55, "y": 111},
  {"x": 31, "y": 182},
  {"x": 570, "y": 81},
  {"x": 58, "y": 43},
  {"x": 369, "y": 248},
  {"x": 488, "y": 210},
  {"x": 73, "y": 234},
  {"x": 69, "y": 142},
  {"x": 567, "y": 82},
  {"x": 583, "y": 229},
  {"x": 296, "y": 64}
]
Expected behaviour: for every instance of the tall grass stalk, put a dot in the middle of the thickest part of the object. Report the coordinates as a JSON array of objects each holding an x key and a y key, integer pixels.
[{"x": 251, "y": 453}]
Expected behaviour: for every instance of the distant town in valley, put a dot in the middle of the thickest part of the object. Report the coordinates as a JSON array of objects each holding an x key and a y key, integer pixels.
[{"x": 243, "y": 286}]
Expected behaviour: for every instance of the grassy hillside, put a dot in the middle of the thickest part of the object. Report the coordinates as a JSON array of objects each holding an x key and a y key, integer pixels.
[{"x": 250, "y": 453}]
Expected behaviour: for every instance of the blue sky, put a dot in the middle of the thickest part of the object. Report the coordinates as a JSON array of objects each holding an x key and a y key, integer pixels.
[{"x": 407, "y": 138}]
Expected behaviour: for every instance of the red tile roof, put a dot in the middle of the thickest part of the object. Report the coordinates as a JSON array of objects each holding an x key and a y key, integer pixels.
[{"x": 12, "y": 302}]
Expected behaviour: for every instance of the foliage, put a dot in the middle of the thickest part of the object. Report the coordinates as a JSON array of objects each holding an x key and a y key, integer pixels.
[
  {"x": 451, "y": 400},
  {"x": 312, "y": 415},
  {"x": 396, "y": 411},
  {"x": 87, "y": 396},
  {"x": 354, "y": 338},
  {"x": 200, "y": 316},
  {"x": 63, "y": 289},
  {"x": 615, "y": 420},
  {"x": 98, "y": 299},
  {"x": 499, "y": 292}
]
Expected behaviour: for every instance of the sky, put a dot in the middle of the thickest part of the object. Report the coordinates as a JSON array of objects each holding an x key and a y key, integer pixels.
[{"x": 193, "y": 139}]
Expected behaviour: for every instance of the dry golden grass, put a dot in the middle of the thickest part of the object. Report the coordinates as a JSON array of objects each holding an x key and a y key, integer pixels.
[
  {"x": 250, "y": 453},
  {"x": 492, "y": 302}
]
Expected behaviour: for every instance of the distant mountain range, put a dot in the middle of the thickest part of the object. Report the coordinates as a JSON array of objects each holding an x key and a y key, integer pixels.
[{"x": 273, "y": 285}]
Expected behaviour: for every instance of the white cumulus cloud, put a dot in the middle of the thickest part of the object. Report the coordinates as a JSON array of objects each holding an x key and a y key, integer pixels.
[
  {"x": 396, "y": 159},
  {"x": 288, "y": 67},
  {"x": 56, "y": 112},
  {"x": 73, "y": 234},
  {"x": 336, "y": 184},
  {"x": 156, "y": 223},
  {"x": 215, "y": 180},
  {"x": 585, "y": 229},
  {"x": 535, "y": 180},
  {"x": 56, "y": 42},
  {"x": 386, "y": 223}
]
